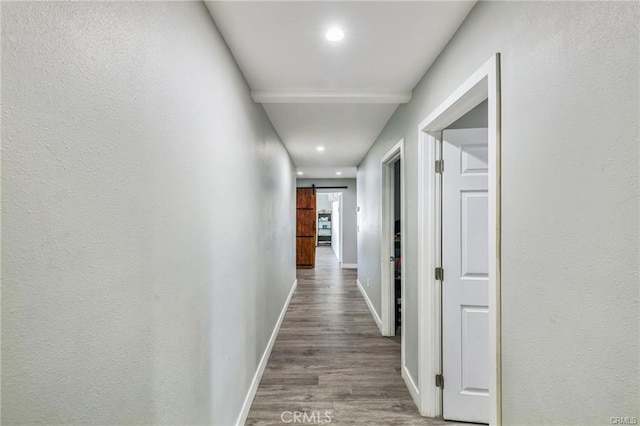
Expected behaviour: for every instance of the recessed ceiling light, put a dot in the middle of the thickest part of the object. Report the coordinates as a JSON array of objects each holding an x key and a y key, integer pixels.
[
  {"x": 338, "y": 173},
  {"x": 320, "y": 148},
  {"x": 335, "y": 34},
  {"x": 300, "y": 173}
]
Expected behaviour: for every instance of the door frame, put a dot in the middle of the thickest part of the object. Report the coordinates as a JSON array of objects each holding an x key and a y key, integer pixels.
[
  {"x": 481, "y": 85},
  {"x": 387, "y": 286}
]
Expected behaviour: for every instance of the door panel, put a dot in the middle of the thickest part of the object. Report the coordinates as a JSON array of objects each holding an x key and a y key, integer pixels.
[
  {"x": 474, "y": 158},
  {"x": 306, "y": 252},
  {"x": 475, "y": 375},
  {"x": 306, "y": 198},
  {"x": 306, "y": 228},
  {"x": 474, "y": 234},
  {"x": 465, "y": 292},
  {"x": 306, "y": 223}
]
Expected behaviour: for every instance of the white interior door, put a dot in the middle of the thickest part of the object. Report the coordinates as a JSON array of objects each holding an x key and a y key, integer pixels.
[{"x": 465, "y": 295}]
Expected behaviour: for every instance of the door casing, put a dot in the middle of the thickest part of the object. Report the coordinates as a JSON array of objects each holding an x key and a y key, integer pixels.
[{"x": 481, "y": 85}]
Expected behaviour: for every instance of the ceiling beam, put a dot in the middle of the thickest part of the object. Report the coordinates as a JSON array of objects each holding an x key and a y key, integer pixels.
[{"x": 269, "y": 97}]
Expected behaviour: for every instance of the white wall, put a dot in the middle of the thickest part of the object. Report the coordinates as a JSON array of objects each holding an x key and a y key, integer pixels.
[
  {"x": 570, "y": 252},
  {"x": 322, "y": 202},
  {"x": 336, "y": 238},
  {"x": 148, "y": 237},
  {"x": 349, "y": 217}
]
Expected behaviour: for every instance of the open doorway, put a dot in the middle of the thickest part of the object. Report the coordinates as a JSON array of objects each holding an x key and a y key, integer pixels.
[
  {"x": 392, "y": 279},
  {"x": 329, "y": 223},
  {"x": 397, "y": 246},
  {"x": 324, "y": 220}
]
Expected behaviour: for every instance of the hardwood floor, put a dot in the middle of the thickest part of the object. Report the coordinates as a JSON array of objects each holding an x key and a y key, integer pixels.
[{"x": 330, "y": 361}]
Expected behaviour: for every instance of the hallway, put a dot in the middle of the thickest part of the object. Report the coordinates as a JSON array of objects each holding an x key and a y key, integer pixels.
[
  {"x": 151, "y": 155},
  {"x": 329, "y": 357}
]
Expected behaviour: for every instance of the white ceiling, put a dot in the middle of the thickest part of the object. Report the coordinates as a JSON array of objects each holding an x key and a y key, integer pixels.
[{"x": 335, "y": 94}]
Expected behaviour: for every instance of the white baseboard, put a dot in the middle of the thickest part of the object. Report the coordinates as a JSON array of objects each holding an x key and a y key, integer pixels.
[
  {"x": 248, "y": 400},
  {"x": 370, "y": 305},
  {"x": 349, "y": 266},
  {"x": 411, "y": 385}
]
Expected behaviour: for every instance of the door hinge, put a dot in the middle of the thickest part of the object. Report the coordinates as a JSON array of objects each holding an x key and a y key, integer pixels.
[
  {"x": 439, "y": 381},
  {"x": 440, "y": 166},
  {"x": 439, "y": 274}
]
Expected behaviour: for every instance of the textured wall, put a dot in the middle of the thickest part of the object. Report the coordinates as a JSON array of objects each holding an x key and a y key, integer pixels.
[
  {"x": 570, "y": 256},
  {"x": 148, "y": 211},
  {"x": 349, "y": 226}
]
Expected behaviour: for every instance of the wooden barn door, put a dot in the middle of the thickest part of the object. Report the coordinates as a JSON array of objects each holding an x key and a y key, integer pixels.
[{"x": 306, "y": 228}]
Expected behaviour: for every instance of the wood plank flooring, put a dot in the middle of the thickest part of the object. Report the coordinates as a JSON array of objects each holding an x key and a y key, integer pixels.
[{"x": 330, "y": 361}]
